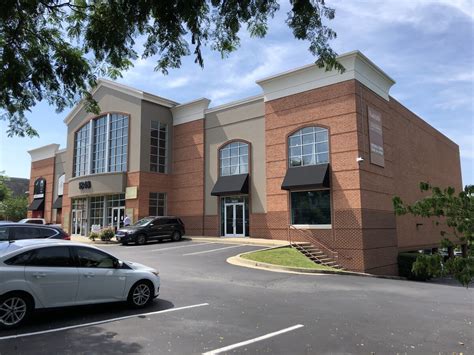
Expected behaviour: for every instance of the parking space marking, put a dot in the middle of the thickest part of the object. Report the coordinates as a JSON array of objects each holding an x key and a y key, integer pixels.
[
  {"x": 181, "y": 246},
  {"x": 212, "y": 250},
  {"x": 254, "y": 340},
  {"x": 101, "y": 322}
]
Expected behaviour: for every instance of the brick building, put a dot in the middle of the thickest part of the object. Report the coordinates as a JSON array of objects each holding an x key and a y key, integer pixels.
[{"x": 317, "y": 157}]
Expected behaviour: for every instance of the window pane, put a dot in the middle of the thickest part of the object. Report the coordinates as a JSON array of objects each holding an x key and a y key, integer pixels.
[
  {"x": 52, "y": 256},
  {"x": 311, "y": 207},
  {"x": 90, "y": 258},
  {"x": 308, "y": 138},
  {"x": 307, "y": 149},
  {"x": 295, "y": 141}
]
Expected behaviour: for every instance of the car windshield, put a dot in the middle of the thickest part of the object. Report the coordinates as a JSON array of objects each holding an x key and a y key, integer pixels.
[{"x": 143, "y": 222}]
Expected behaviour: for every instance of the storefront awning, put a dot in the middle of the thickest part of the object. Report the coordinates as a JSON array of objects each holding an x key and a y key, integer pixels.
[
  {"x": 312, "y": 176},
  {"x": 58, "y": 203},
  {"x": 233, "y": 184},
  {"x": 37, "y": 204}
]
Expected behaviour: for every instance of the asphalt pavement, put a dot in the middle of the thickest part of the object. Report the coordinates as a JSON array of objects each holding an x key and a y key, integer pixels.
[{"x": 209, "y": 306}]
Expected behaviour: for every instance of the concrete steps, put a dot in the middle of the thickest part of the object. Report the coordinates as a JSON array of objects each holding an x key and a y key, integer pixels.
[{"x": 316, "y": 255}]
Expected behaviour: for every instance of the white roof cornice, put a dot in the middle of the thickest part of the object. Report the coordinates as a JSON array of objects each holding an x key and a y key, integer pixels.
[
  {"x": 123, "y": 89},
  {"x": 357, "y": 66},
  {"x": 190, "y": 111},
  {"x": 44, "y": 152}
]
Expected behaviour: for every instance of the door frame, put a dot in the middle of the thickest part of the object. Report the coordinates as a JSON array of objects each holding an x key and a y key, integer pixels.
[
  {"x": 234, "y": 219},
  {"x": 120, "y": 208},
  {"x": 75, "y": 225}
]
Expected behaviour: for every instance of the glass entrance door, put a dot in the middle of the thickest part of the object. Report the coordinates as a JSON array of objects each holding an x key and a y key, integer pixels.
[
  {"x": 118, "y": 214},
  {"x": 76, "y": 217},
  {"x": 234, "y": 221}
]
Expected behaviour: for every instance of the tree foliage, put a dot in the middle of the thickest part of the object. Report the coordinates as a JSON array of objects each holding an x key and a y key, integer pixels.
[
  {"x": 454, "y": 213},
  {"x": 11, "y": 208},
  {"x": 54, "y": 50}
]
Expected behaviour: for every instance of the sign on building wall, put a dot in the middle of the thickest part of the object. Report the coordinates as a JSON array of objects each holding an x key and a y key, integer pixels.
[
  {"x": 131, "y": 192},
  {"x": 61, "y": 185},
  {"x": 376, "y": 137},
  {"x": 39, "y": 188}
]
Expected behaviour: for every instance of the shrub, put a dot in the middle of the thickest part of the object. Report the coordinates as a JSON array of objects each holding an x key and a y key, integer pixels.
[
  {"x": 405, "y": 267},
  {"x": 107, "y": 234},
  {"x": 93, "y": 236}
]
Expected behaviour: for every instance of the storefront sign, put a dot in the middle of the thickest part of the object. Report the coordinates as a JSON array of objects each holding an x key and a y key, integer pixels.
[
  {"x": 85, "y": 185},
  {"x": 376, "y": 137},
  {"x": 131, "y": 192},
  {"x": 39, "y": 188}
]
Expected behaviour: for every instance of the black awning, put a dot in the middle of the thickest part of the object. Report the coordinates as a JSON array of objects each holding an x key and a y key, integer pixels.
[
  {"x": 37, "y": 204},
  {"x": 233, "y": 184},
  {"x": 312, "y": 176},
  {"x": 58, "y": 203}
]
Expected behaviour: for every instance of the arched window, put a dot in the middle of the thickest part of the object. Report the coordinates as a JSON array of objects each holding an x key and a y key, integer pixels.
[
  {"x": 234, "y": 159},
  {"x": 308, "y": 146}
]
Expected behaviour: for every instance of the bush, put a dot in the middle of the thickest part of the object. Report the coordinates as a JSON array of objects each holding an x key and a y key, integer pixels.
[
  {"x": 93, "y": 236},
  {"x": 107, "y": 234},
  {"x": 405, "y": 267}
]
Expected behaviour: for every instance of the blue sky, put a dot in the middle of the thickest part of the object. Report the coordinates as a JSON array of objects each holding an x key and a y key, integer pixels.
[{"x": 426, "y": 46}]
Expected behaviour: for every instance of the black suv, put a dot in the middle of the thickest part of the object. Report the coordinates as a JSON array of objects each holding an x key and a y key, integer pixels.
[
  {"x": 151, "y": 228},
  {"x": 17, "y": 231}
]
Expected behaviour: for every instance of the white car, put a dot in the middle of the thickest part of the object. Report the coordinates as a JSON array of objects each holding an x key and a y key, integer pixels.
[{"x": 45, "y": 273}]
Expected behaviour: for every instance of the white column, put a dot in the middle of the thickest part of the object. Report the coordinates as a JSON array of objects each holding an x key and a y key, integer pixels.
[
  {"x": 89, "y": 144},
  {"x": 107, "y": 144}
]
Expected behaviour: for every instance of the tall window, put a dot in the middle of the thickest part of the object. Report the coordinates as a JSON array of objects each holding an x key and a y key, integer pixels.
[
  {"x": 81, "y": 151},
  {"x": 94, "y": 153},
  {"x": 99, "y": 145},
  {"x": 158, "y": 145},
  {"x": 97, "y": 210},
  {"x": 308, "y": 146},
  {"x": 234, "y": 159},
  {"x": 157, "y": 206},
  {"x": 311, "y": 207},
  {"x": 118, "y": 142}
]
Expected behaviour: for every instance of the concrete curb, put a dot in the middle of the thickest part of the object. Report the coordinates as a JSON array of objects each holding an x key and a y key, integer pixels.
[
  {"x": 239, "y": 261},
  {"x": 85, "y": 240},
  {"x": 242, "y": 241}
]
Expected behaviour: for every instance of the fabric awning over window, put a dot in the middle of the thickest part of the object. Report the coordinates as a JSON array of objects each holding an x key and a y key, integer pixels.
[
  {"x": 233, "y": 184},
  {"x": 58, "y": 203},
  {"x": 37, "y": 204},
  {"x": 311, "y": 177}
]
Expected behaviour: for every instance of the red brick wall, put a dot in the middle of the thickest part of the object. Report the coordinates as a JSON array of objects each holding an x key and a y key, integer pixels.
[
  {"x": 187, "y": 197},
  {"x": 45, "y": 169},
  {"x": 333, "y": 107}
]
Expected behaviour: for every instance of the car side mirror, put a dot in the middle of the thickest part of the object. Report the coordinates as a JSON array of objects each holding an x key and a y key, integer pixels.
[{"x": 118, "y": 264}]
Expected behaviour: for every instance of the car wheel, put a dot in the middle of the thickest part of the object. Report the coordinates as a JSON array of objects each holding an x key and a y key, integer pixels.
[
  {"x": 15, "y": 308},
  {"x": 176, "y": 236},
  {"x": 141, "y": 294},
  {"x": 124, "y": 243},
  {"x": 141, "y": 239}
]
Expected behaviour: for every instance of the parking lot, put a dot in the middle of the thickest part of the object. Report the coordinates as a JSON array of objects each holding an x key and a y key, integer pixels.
[{"x": 209, "y": 306}]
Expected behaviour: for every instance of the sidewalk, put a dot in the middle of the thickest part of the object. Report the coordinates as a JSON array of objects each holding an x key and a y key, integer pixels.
[
  {"x": 203, "y": 239},
  {"x": 245, "y": 240}
]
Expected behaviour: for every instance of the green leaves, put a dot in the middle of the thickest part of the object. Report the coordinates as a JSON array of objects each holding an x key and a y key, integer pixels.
[
  {"x": 54, "y": 50},
  {"x": 456, "y": 212}
]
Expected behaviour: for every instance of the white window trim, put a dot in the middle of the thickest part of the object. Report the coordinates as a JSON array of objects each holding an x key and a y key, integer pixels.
[{"x": 312, "y": 226}]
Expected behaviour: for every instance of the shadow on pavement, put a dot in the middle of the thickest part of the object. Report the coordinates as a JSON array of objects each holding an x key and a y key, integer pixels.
[{"x": 43, "y": 320}]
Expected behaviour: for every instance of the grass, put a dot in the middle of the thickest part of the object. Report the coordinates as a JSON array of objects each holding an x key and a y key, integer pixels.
[{"x": 285, "y": 257}]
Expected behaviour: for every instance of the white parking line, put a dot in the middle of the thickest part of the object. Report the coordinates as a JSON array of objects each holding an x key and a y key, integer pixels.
[
  {"x": 212, "y": 250},
  {"x": 181, "y": 246},
  {"x": 254, "y": 340},
  {"x": 101, "y": 322}
]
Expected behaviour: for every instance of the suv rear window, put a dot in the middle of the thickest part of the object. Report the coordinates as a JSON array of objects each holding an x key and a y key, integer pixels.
[
  {"x": 26, "y": 233},
  {"x": 4, "y": 233},
  {"x": 47, "y": 232}
]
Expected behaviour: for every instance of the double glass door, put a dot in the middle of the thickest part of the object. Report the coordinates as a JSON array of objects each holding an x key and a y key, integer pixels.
[
  {"x": 118, "y": 214},
  {"x": 234, "y": 219},
  {"x": 76, "y": 216}
]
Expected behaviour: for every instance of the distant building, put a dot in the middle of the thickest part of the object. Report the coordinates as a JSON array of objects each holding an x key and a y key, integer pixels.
[{"x": 316, "y": 157}]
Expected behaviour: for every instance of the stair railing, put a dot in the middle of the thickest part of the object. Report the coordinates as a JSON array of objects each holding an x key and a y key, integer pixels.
[{"x": 310, "y": 238}]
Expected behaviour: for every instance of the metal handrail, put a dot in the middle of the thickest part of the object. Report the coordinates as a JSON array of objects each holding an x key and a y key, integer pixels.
[{"x": 313, "y": 239}]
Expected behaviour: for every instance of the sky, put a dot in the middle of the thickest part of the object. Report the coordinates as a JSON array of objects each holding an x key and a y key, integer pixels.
[{"x": 426, "y": 46}]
